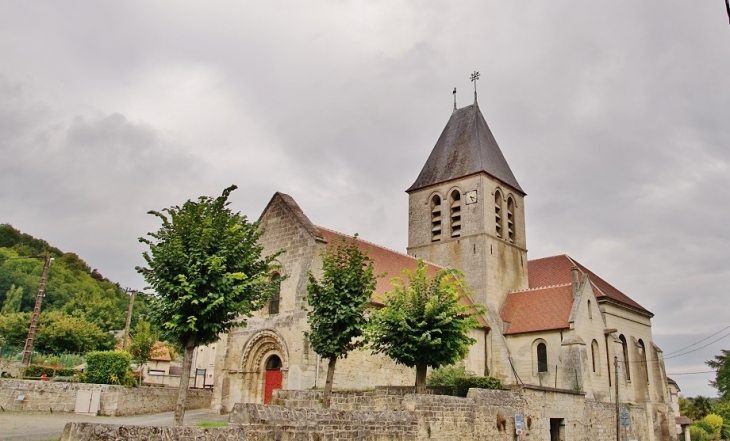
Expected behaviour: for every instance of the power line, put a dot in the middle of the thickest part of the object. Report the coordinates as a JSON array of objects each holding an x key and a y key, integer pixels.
[
  {"x": 697, "y": 349},
  {"x": 691, "y": 373},
  {"x": 696, "y": 343}
]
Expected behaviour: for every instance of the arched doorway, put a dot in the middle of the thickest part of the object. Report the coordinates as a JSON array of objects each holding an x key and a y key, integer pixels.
[{"x": 273, "y": 377}]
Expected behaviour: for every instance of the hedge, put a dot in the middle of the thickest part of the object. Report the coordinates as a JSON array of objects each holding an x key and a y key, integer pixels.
[
  {"x": 462, "y": 385},
  {"x": 109, "y": 367},
  {"x": 36, "y": 370}
]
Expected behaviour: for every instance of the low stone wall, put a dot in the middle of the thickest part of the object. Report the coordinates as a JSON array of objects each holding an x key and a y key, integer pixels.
[
  {"x": 381, "y": 398},
  {"x": 47, "y": 396},
  {"x": 483, "y": 414},
  {"x": 10, "y": 368},
  {"x": 281, "y": 423},
  {"x": 113, "y": 432}
]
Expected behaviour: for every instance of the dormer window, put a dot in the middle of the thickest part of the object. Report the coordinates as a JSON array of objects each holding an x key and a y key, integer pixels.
[
  {"x": 455, "y": 213},
  {"x": 511, "y": 219},
  {"x": 435, "y": 218},
  {"x": 498, "y": 212}
]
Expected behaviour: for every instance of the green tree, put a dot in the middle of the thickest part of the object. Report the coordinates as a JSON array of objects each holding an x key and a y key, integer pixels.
[
  {"x": 337, "y": 304},
  {"x": 206, "y": 265},
  {"x": 60, "y": 332},
  {"x": 12, "y": 300},
  {"x": 424, "y": 321},
  {"x": 142, "y": 347},
  {"x": 721, "y": 365},
  {"x": 14, "y": 329}
]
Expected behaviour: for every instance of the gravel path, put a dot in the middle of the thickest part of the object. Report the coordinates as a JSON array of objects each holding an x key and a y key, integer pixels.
[{"x": 41, "y": 426}]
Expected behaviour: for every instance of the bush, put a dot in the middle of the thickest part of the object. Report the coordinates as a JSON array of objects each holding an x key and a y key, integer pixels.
[
  {"x": 462, "y": 386},
  {"x": 447, "y": 376},
  {"x": 36, "y": 370},
  {"x": 109, "y": 367},
  {"x": 697, "y": 433},
  {"x": 715, "y": 422}
]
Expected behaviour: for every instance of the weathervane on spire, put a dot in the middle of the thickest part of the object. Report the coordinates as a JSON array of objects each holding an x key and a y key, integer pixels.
[
  {"x": 454, "y": 98},
  {"x": 474, "y": 77}
]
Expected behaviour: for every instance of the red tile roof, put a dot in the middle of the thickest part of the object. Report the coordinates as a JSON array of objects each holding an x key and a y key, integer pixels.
[
  {"x": 386, "y": 261},
  {"x": 541, "y": 309},
  {"x": 556, "y": 270}
]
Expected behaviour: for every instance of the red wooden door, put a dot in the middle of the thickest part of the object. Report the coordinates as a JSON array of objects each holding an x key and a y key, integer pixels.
[{"x": 273, "y": 381}]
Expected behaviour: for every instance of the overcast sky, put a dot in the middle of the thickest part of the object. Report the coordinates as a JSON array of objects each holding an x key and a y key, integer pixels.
[{"x": 612, "y": 115}]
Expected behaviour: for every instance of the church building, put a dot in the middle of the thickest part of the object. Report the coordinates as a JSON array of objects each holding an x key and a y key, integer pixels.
[{"x": 550, "y": 322}]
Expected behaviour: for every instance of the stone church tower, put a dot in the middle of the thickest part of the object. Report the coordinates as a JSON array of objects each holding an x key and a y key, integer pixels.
[{"x": 466, "y": 210}]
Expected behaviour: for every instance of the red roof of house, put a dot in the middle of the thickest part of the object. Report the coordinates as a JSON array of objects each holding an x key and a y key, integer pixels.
[
  {"x": 388, "y": 262},
  {"x": 540, "y": 309},
  {"x": 556, "y": 270}
]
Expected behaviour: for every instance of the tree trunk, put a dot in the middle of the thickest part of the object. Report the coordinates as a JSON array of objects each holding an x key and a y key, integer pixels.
[
  {"x": 328, "y": 384},
  {"x": 421, "y": 378},
  {"x": 182, "y": 394}
]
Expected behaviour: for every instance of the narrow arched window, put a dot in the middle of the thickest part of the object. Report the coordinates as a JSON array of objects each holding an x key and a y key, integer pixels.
[
  {"x": 590, "y": 311},
  {"x": 625, "y": 347},
  {"x": 595, "y": 357},
  {"x": 455, "y": 213},
  {"x": 498, "y": 212},
  {"x": 435, "y": 218},
  {"x": 542, "y": 364},
  {"x": 276, "y": 295},
  {"x": 642, "y": 355},
  {"x": 511, "y": 219}
]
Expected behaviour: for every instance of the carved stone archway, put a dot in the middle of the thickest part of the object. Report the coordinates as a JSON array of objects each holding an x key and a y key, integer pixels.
[{"x": 257, "y": 350}]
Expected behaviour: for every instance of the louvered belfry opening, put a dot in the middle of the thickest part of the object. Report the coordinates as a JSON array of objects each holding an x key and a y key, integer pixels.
[
  {"x": 435, "y": 218},
  {"x": 511, "y": 219},
  {"x": 498, "y": 212},
  {"x": 455, "y": 213}
]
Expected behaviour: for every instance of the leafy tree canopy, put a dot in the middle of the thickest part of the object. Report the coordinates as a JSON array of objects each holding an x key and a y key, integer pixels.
[
  {"x": 207, "y": 267},
  {"x": 721, "y": 364},
  {"x": 338, "y": 302},
  {"x": 424, "y": 322}
]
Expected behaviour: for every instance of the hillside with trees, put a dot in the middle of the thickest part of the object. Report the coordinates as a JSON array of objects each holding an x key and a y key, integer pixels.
[{"x": 80, "y": 306}]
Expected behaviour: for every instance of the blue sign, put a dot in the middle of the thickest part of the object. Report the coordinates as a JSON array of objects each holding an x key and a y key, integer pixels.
[{"x": 624, "y": 416}]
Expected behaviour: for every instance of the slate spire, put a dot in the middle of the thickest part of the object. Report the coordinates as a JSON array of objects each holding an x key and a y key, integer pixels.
[{"x": 465, "y": 147}]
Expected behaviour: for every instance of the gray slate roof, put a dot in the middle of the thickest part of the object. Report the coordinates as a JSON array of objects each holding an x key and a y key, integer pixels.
[{"x": 465, "y": 147}]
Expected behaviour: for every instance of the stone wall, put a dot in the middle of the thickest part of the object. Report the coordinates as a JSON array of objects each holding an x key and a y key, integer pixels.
[
  {"x": 283, "y": 423},
  {"x": 41, "y": 396},
  {"x": 484, "y": 414},
  {"x": 380, "y": 398},
  {"x": 113, "y": 432}
]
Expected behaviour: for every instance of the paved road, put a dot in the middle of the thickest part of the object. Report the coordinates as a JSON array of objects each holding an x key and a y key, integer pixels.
[{"x": 41, "y": 426}]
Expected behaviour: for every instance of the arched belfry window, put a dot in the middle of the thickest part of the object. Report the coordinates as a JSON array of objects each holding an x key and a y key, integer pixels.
[
  {"x": 511, "y": 219},
  {"x": 435, "y": 218},
  {"x": 498, "y": 212},
  {"x": 455, "y": 213},
  {"x": 595, "y": 357},
  {"x": 625, "y": 347},
  {"x": 276, "y": 295},
  {"x": 542, "y": 364}
]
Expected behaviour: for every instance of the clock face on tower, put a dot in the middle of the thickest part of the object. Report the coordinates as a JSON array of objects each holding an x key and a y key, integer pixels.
[{"x": 471, "y": 197}]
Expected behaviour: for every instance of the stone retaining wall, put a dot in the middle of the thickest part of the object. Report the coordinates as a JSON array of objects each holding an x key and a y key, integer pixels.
[
  {"x": 47, "y": 396},
  {"x": 484, "y": 414},
  {"x": 381, "y": 398},
  {"x": 113, "y": 432}
]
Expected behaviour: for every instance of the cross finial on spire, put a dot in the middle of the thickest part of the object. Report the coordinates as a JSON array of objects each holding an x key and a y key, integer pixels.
[
  {"x": 454, "y": 98},
  {"x": 474, "y": 77}
]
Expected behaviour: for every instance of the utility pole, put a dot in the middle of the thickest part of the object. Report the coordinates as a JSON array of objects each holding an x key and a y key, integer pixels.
[
  {"x": 618, "y": 405},
  {"x": 28, "y": 350},
  {"x": 129, "y": 318}
]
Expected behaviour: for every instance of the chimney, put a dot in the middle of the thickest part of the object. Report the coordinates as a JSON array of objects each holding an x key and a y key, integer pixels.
[{"x": 576, "y": 279}]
